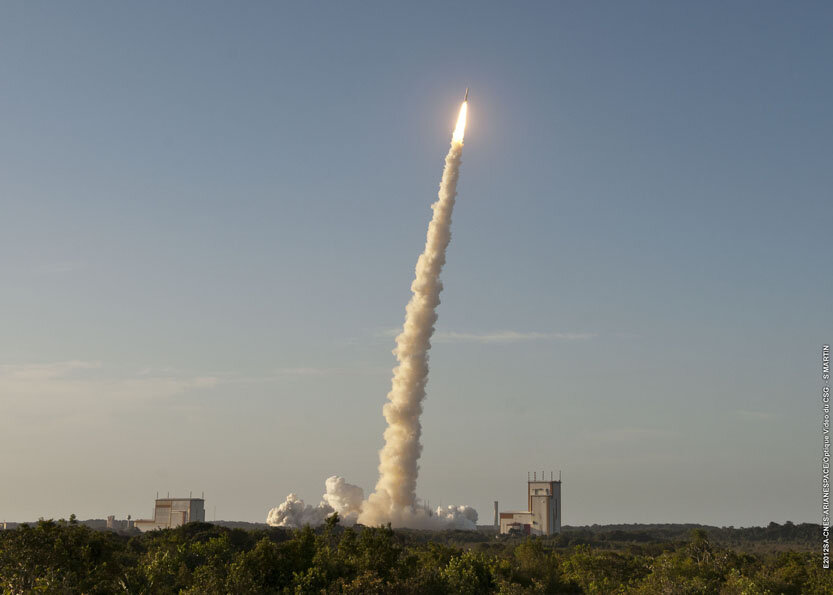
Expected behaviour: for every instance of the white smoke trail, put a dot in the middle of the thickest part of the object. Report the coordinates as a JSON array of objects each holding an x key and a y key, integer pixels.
[{"x": 394, "y": 499}]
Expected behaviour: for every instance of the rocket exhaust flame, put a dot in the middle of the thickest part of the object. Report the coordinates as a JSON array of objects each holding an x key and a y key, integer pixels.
[
  {"x": 394, "y": 499},
  {"x": 460, "y": 129}
]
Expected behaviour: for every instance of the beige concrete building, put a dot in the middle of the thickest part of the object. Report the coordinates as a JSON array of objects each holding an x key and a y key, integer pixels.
[
  {"x": 173, "y": 512},
  {"x": 543, "y": 514}
]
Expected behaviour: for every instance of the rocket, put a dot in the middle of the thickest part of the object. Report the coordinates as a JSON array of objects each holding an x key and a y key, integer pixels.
[{"x": 466, "y": 98}]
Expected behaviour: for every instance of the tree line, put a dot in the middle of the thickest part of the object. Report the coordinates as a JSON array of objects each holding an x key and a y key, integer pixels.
[{"x": 67, "y": 557}]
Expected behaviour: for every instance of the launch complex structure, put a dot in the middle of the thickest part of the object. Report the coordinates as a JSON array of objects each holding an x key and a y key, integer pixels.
[{"x": 543, "y": 514}]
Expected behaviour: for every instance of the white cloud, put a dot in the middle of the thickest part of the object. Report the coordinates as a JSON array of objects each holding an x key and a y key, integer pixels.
[
  {"x": 495, "y": 337},
  {"x": 42, "y": 398},
  {"x": 309, "y": 371},
  {"x": 40, "y": 372},
  {"x": 81, "y": 382},
  {"x": 306, "y": 371},
  {"x": 507, "y": 337}
]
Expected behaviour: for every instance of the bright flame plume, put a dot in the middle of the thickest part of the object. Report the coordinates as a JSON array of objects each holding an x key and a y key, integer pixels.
[{"x": 460, "y": 129}]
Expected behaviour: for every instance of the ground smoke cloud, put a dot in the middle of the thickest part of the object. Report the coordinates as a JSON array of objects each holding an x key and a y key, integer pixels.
[
  {"x": 340, "y": 496},
  {"x": 346, "y": 499}
]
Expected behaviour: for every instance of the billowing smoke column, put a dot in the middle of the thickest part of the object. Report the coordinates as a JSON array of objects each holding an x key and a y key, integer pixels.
[{"x": 394, "y": 499}]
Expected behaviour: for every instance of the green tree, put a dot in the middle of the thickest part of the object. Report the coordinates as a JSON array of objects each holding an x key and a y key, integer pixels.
[
  {"x": 263, "y": 569},
  {"x": 62, "y": 557},
  {"x": 599, "y": 571},
  {"x": 468, "y": 574}
]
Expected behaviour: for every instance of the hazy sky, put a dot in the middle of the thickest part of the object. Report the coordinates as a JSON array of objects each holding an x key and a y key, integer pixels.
[{"x": 210, "y": 215}]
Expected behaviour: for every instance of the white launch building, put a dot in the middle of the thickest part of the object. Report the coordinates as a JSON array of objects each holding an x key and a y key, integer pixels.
[
  {"x": 543, "y": 514},
  {"x": 173, "y": 512}
]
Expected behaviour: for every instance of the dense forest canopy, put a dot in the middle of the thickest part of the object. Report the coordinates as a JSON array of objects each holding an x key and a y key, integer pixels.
[{"x": 65, "y": 556}]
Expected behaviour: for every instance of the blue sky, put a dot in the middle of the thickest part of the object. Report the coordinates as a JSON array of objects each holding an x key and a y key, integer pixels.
[{"x": 211, "y": 214}]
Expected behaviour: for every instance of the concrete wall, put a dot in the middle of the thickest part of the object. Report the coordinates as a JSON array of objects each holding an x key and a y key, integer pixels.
[{"x": 520, "y": 520}]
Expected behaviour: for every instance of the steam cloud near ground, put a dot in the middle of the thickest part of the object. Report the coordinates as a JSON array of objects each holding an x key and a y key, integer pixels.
[
  {"x": 340, "y": 496},
  {"x": 346, "y": 499},
  {"x": 394, "y": 500}
]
